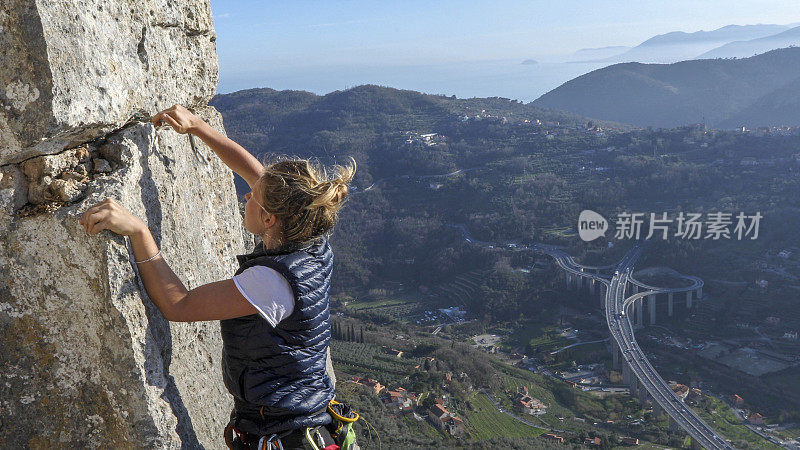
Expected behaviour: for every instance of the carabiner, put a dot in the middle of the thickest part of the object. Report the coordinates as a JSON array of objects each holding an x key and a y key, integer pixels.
[{"x": 267, "y": 445}]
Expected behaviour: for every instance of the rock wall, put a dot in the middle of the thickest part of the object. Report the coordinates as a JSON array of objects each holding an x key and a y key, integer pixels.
[
  {"x": 74, "y": 70},
  {"x": 87, "y": 360}
]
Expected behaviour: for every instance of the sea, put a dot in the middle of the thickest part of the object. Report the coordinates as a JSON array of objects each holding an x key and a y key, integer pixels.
[{"x": 491, "y": 78}]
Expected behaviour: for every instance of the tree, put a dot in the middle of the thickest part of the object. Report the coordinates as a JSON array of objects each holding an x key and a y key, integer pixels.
[{"x": 429, "y": 401}]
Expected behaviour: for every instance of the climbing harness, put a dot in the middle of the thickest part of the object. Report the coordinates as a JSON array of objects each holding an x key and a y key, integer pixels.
[
  {"x": 245, "y": 440},
  {"x": 341, "y": 430},
  {"x": 311, "y": 438}
]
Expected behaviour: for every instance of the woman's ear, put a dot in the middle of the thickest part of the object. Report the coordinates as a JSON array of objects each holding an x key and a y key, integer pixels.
[{"x": 270, "y": 221}]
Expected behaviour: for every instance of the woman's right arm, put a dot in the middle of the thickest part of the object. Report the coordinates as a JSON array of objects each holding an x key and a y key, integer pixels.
[{"x": 231, "y": 153}]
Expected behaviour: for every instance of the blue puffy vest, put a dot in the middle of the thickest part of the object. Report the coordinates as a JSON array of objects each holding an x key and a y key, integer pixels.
[{"x": 277, "y": 375}]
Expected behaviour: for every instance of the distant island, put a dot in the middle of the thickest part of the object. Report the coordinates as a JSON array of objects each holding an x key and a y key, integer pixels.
[{"x": 530, "y": 62}]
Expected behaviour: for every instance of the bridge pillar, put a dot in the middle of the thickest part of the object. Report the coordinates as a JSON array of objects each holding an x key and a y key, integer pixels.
[
  {"x": 633, "y": 382},
  {"x": 626, "y": 373},
  {"x": 566, "y": 278},
  {"x": 580, "y": 281},
  {"x": 651, "y": 305},
  {"x": 658, "y": 411},
  {"x": 688, "y": 299},
  {"x": 700, "y": 293},
  {"x": 642, "y": 393},
  {"x": 635, "y": 289},
  {"x": 591, "y": 286},
  {"x": 673, "y": 426},
  {"x": 669, "y": 305},
  {"x": 603, "y": 293},
  {"x": 637, "y": 305}
]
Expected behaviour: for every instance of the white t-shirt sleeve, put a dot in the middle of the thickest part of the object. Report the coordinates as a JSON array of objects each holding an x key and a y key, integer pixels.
[{"x": 268, "y": 291}]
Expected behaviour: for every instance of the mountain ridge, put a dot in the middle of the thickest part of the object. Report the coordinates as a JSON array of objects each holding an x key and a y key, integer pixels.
[
  {"x": 667, "y": 95},
  {"x": 739, "y": 49},
  {"x": 680, "y": 45}
]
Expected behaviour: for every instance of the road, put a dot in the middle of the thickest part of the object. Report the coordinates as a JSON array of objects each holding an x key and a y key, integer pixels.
[
  {"x": 622, "y": 332},
  {"x": 412, "y": 177},
  {"x": 577, "y": 344}
]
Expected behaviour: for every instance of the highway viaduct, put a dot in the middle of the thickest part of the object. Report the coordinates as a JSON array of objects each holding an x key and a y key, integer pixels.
[{"x": 624, "y": 313}]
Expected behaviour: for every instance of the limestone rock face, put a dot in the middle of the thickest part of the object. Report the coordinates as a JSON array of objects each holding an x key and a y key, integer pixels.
[
  {"x": 87, "y": 358},
  {"x": 77, "y": 69}
]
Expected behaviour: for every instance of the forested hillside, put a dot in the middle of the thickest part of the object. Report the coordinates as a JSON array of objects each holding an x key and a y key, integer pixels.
[{"x": 721, "y": 92}]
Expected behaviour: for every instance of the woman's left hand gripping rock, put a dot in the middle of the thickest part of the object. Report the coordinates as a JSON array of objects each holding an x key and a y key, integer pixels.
[{"x": 109, "y": 215}]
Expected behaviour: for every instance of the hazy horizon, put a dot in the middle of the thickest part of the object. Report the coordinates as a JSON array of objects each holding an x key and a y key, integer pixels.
[{"x": 467, "y": 49}]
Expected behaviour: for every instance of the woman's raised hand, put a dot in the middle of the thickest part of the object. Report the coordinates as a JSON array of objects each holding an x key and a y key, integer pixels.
[
  {"x": 181, "y": 119},
  {"x": 109, "y": 215}
]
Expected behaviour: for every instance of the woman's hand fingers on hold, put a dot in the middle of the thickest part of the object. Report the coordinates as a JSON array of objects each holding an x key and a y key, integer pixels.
[
  {"x": 96, "y": 207},
  {"x": 96, "y": 213},
  {"x": 175, "y": 124},
  {"x": 85, "y": 218},
  {"x": 99, "y": 226},
  {"x": 92, "y": 220}
]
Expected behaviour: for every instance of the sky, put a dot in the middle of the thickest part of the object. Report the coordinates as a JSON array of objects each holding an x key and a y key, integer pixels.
[{"x": 271, "y": 43}]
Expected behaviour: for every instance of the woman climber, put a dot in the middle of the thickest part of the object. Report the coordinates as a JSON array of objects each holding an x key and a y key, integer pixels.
[{"x": 274, "y": 311}]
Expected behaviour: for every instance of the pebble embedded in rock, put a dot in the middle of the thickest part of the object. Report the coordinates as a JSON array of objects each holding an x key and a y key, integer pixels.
[
  {"x": 79, "y": 174},
  {"x": 101, "y": 165},
  {"x": 39, "y": 191},
  {"x": 66, "y": 190},
  {"x": 13, "y": 189},
  {"x": 82, "y": 154}
]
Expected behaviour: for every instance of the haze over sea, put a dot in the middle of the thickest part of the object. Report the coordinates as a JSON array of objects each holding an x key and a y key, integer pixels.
[
  {"x": 466, "y": 48},
  {"x": 492, "y": 78}
]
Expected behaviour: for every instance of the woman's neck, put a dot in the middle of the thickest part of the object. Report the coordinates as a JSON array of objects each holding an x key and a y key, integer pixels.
[{"x": 270, "y": 243}]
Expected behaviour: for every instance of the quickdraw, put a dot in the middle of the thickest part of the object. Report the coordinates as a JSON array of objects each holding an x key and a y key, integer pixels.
[{"x": 341, "y": 428}]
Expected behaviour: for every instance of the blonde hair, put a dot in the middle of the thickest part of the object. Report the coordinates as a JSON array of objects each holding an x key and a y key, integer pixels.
[{"x": 303, "y": 196}]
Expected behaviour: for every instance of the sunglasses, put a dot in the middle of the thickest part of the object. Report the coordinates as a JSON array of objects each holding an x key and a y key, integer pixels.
[{"x": 249, "y": 196}]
